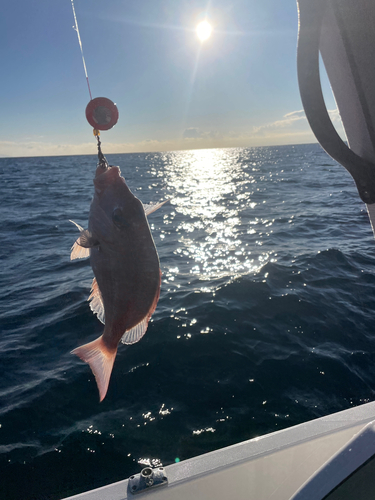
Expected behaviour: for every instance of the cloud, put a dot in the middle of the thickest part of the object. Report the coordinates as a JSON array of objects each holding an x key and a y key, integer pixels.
[
  {"x": 292, "y": 128},
  {"x": 295, "y": 119},
  {"x": 192, "y": 133},
  {"x": 287, "y": 120},
  {"x": 295, "y": 115},
  {"x": 196, "y": 133},
  {"x": 335, "y": 115},
  {"x": 207, "y": 140},
  {"x": 40, "y": 148}
]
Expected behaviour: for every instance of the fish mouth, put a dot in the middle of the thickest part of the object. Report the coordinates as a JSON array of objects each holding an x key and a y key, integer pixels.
[{"x": 106, "y": 177}]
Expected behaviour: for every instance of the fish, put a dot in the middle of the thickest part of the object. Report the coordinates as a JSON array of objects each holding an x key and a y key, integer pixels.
[{"x": 127, "y": 277}]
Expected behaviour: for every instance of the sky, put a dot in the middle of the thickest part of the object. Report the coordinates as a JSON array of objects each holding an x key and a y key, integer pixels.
[{"x": 236, "y": 89}]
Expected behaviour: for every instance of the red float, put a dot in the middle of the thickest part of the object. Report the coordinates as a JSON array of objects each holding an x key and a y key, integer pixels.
[{"x": 101, "y": 113}]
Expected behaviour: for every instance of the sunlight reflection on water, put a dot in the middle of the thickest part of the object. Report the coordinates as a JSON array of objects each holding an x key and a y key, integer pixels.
[{"x": 211, "y": 190}]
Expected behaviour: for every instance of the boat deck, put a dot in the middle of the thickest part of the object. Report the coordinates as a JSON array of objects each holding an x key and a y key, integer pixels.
[{"x": 274, "y": 466}]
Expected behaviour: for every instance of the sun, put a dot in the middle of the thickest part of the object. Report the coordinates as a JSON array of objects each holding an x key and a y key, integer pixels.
[{"x": 204, "y": 30}]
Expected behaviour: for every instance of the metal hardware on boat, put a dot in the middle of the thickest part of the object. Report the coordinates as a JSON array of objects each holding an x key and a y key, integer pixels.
[{"x": 146, "y": 479}]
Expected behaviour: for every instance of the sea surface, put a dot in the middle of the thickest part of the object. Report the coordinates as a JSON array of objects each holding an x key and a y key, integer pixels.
[{"x": 265, "y": 319}]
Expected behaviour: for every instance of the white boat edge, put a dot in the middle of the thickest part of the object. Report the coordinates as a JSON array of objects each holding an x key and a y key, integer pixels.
[{"x": 273, "y": 466}]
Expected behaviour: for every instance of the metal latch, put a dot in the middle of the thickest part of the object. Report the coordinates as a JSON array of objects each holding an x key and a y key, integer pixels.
[{"x": 146, "y": 479}]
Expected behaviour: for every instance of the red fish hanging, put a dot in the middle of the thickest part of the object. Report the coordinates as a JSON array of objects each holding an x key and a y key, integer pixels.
[{"x": 125, "y": 263}]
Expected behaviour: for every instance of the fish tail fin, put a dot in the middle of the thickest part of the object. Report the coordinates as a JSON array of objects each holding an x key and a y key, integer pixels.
[{"x": 100, "y": 359}]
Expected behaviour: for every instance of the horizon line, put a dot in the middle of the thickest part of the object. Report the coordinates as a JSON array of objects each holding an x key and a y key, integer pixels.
[{"x": 161, "y": 151}]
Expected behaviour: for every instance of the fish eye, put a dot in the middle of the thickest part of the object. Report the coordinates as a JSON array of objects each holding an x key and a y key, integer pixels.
[{"x": 118, "y": 218}]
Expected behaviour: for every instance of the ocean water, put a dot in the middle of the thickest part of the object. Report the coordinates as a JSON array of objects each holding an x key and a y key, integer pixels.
[{"x": 265, "y": 319}]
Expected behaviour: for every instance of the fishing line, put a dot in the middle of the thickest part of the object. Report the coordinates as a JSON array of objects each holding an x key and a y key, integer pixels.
[
  {"x": 101, "y": 113},
  {"x": 80, "y": 45}
]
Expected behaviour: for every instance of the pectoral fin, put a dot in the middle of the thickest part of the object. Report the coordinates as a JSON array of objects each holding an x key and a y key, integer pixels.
[
  {"x": 82, "y": 245},
  {"x": 152, "y": 207},
  {"x": 78, "y": 252},
  {"x": 96, "y": 301},
  {"x": 136, "y": 333}
]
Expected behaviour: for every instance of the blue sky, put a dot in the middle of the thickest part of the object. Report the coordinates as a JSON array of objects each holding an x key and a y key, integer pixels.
[{"x": 238, "y": 88}]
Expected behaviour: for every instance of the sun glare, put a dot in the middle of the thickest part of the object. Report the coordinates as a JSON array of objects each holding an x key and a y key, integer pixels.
[{"x": 204, "y": 30}]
